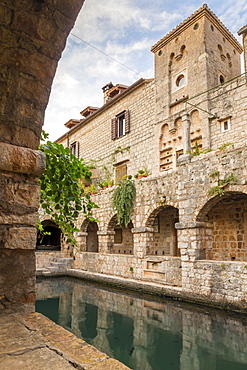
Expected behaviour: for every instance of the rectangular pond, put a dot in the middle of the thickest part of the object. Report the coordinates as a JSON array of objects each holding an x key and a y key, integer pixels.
[{"x": 143, "y": 332}]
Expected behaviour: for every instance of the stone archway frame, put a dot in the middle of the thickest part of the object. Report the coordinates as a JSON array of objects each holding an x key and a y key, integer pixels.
[
  {"x": 150, "y": 225},
  {"x": 111, "y": 232},
  {"x": 35, "y": 36},
  {"x": 234, "y": 242}
]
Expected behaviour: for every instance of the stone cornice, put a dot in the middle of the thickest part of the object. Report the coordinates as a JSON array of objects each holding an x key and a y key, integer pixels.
[{"x": 203, "y": 11}]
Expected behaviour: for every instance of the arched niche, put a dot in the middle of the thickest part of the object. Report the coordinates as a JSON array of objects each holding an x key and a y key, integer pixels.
[
  {"x": 227, "y": 217},
  {"x": 123, "y": 237},
  {"x": 162, "y": 220},
  {"x": 50, "y": 238},
  {"x": 92, "y": 243}
]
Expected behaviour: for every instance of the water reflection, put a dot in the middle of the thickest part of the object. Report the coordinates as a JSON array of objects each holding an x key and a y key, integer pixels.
[{"x": 143, "y": 333}]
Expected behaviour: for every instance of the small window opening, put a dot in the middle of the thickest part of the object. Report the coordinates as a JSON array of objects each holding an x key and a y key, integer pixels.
[
  {"x": 121, "y": 125},
  {"x": 196, "y": 26},
  {"x": 180, "y": 81},
  {"x": 222, "y": 80},
  {"x": 212, "y": 27},
  {"x": 225, "y": 125}
]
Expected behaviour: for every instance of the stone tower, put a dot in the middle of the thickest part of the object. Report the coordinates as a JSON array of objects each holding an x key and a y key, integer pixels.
[{"x": 199, "y": 54}]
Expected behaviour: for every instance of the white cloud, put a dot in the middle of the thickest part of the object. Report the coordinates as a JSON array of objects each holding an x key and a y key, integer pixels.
[{"x": 125, "y": 30}]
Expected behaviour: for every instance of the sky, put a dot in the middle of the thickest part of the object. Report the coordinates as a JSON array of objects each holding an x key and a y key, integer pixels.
[{"x": 125, "y": 30}]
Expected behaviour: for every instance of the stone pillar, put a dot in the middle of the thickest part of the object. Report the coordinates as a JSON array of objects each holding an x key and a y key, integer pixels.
[
  {"x": 186, "y": 156},
  {"x": 194, "y": 239},
  {"x": 106, "y": 241},
  {"x": 243, "y": 32},
  {"x": 142, "y": 238},
  {"x": 19, "y": 202},
  {"x": 33, "y": 37},
  {"x": 82, "y": 241}
]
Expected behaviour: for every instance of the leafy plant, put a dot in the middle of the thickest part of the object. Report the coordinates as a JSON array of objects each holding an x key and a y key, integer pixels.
[
  {"x": 62, "y": 196},
  {"x": 123, "y": 200},
  {"x": 224, "y": 146},
  {"x": 219, "y": 189}
]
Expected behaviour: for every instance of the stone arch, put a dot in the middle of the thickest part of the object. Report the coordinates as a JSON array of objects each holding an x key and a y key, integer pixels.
[
  {"x": 92, "y": 242},
  {"x": 122, "y": 241},
  {"x": 89, "y": 241},
  {"x": 50, "y": 241},
  {"x": 164, "y": 242},
  {"x": 226, "y": 216},
  {"x": 37, "y": 33}
]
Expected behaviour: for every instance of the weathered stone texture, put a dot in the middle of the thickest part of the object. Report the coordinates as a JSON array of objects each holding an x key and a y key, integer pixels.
[{"x": 33, "y": 35}]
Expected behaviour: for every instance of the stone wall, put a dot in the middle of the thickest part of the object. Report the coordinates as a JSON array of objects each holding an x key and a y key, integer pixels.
[
  {"x": 33, "y": 35},
  {"x": 210, "y": 230},
  {"x": 134, "y": 148}
]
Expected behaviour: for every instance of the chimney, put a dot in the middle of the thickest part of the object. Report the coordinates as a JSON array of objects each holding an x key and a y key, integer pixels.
[{"x": 106, "y": 88}]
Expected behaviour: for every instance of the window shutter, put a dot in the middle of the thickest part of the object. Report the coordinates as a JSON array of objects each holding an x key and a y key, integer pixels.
[
  {"x": 78, "y": 149},
  {"x": 114, "y": 128},
  {"x": 127, "y": 121}
]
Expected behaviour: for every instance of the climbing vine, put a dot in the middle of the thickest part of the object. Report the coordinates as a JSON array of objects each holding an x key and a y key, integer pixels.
[
  {"x": 123, "y": 199},
  {"x": 62, "y": 196},
  {"x": 220, "y": 188}
]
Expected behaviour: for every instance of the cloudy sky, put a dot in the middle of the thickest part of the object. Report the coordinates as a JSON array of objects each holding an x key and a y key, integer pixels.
[{"x": 125, "y": 30}]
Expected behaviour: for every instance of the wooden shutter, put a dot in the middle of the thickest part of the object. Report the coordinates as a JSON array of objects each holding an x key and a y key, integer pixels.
[
  {"x": 127, "y": 121},
  {"x": 121, "y": 171},
  {"x": 78, "y": 149},
  {"x": 114, "y": 128}
]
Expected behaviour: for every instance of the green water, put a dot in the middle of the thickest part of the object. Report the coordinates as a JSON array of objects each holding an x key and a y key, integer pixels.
[{"x": 143, "y": 333}]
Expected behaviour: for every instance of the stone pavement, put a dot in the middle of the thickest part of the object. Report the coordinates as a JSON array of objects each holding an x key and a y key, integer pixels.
[{"x": 33, "y": 342}]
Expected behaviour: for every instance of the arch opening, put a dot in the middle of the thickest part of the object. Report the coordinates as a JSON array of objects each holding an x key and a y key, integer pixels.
[
  {"x": 92, "y": 242},
  {"x": 228, "y": 219},
  {"x": 123, "y": 238},
  {"x": 50, "y": 239},
  {"x": 164, "y": 242}
]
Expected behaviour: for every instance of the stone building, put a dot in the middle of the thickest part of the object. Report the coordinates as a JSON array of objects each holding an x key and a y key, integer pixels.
[{"x": 187, "y": 129}]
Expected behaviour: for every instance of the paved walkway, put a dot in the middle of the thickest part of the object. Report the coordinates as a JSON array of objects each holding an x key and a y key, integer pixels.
[{"x": 33, "y": 342}]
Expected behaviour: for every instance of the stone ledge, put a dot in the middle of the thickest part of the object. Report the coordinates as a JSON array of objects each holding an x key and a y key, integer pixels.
[
  {"x": 33, "y": 341},
  {"x": 21, "y": 160}
]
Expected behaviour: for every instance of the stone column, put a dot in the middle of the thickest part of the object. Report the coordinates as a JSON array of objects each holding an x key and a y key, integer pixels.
[
  {"x": 82, "y": 241},
  {"x": 186, "y": 156},
  {"x": 194, "y": 239},
  {"x": 106, "y": 241},
  {"x": 243, "y": 32},
  {"x": 142, "y": 238},
  {"x": 34, "y": 34}
]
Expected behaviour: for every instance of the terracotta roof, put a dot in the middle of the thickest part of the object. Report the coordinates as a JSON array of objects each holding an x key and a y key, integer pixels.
[
  {"x": 188, "y": 21},
  {"x": 108, "y": 104},
  {"x": 72, "y": 123},
  {"x": 88, "y": 111}
]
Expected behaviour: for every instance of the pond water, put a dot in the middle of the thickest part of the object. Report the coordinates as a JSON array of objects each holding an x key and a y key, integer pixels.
[{"x": 143, "y": 332}]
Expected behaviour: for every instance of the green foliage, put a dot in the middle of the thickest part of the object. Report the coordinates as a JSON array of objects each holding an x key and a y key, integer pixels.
[
  {"x": 224, "y": 146},
  {"x": 197, "y": 150},
  {"x": 214, "y": 174},
  {"x": 62, "y": 196},
  {"x": 131, "y": 269},
  {"x": 220, "y": 188},
  {"x": 123, "y": 200}
]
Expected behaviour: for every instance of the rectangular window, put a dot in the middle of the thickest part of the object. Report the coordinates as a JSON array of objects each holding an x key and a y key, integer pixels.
[
  {"x": 120, "y": 125},
  {"x": 74, "y": 149},
  {"x": 120, "y": 171},
  {"x": 225, "y": 124}
]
